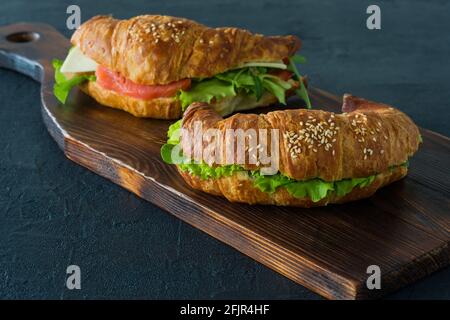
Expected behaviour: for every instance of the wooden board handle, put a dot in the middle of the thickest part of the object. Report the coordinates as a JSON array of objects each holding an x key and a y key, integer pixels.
[{"x": 29, "y": 48}]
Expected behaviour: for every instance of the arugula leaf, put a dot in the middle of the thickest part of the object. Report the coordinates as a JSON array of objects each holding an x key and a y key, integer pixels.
[
  {"x": 276, "y": 89},
  {"x": 63, "y": 85},
  {"x": 298, "y": 59},
  {"x": 301, "y": 92},
  {"x": 258, "y": 87}
]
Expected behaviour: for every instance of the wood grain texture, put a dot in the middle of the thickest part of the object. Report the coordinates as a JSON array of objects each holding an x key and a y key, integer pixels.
[{"x": 404, "y": 228}]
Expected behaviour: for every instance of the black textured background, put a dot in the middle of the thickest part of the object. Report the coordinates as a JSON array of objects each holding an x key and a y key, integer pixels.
[{"x": 54, "y": 213}]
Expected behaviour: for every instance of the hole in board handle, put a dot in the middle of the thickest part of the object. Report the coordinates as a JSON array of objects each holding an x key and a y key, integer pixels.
[{"x": 22, "y": 37}]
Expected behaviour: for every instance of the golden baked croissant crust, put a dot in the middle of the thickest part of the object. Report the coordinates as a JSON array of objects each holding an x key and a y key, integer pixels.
[
  {"x": 153, "y": 49},
  {"x": 370, "y": 139}
]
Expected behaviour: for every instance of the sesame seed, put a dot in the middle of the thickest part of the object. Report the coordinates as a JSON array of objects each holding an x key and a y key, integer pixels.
[{"x": 314, "y": 134}]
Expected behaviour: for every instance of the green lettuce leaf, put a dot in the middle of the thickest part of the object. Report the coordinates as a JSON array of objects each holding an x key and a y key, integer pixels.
[
  {"x": 343, "y": 187},
  {"x": 251, "y": 80},
  {"x": 166, "y": 153},
  {"x": 173, "y": 134},
  {"x": 316, "y": 189},
  {"x": 198, "y": 169},
  {"x": 205, "y": 171},
  {"x": 205, "y": 91},
  {"x": 63, "y": 85}
]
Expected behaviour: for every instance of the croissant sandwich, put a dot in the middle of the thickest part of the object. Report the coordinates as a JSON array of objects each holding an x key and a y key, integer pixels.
[
  {"x": 321, "y": 157},
  {"x": 155, "y": 66}
]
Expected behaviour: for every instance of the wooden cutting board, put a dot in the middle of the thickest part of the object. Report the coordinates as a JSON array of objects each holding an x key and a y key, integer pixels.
[{"x": 403, "y": 228}]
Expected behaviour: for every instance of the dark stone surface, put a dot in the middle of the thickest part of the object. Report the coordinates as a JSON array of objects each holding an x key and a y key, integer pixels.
[{"x": 54, "y": 213}]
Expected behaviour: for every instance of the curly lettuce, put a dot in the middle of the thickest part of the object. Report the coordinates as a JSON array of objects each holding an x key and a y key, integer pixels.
[{"x": 315, "y": 189}]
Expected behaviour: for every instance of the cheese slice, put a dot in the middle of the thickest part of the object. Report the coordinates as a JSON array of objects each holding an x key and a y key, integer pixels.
[{"x": 76, "y": 62}]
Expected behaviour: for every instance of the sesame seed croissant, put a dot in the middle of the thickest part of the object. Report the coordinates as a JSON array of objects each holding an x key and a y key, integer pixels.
[
  {"x": 153, "y": 49},
  {"x": 368, "y": 140}
]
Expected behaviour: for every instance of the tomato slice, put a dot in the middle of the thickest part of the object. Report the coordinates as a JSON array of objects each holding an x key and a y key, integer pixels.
[{"x": 112, "y": 80}]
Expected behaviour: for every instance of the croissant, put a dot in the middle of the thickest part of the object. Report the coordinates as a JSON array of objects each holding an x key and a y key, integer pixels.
[
  {"x": 148, "y": 60},
  {"x": 324, "y": 157}
]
